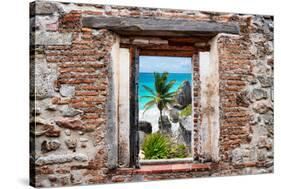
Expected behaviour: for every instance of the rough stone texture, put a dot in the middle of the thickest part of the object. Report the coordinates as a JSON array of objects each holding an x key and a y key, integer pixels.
[
  {"x": 247, "y": 110},
  {"x": 166, "y": 127},
  {"x": 259, "y": 94},
  {"x": 67, "y": 90},
  {"x": 47, "y": 146},
  {"x": 70, "y": 112},
  {"x": 184, "y": 95},
  {"x": 52, "y": 38},
  {"x": 72, "y": 92},
  {"x": 74, "y": 124},
  {"x": 46, "y": 8},
  {"x": 66, "y": 158},
  {"x": 145, "y": 128},
  {"x": 71, "y": 144},
  {"x": 174, "y": 115},
  {"x": 45, "y": 77},
  {"x": 185, "y": 131}
]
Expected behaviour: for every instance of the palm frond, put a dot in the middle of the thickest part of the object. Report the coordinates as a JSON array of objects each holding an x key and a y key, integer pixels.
[
  {"x": 146, "y": 97},
  {"x": 169, "y": 86},
  {"x": 149, "y": 105},
  {"x": 149, "y": 90},
  {"x": 162, "y": 96},
  {"x": 169, "y": 95}
]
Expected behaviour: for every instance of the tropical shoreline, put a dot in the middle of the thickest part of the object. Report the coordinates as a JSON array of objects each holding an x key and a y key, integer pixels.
[{"x": 151, "y": 116}]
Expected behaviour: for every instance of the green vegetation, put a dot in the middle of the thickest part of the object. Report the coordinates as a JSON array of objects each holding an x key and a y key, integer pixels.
[
  {"x": 156, "y": 146},
  {"x": 178, "y": 151},
  {"x": 159, "y": 146},
  {"x": 187, "y": 111},
  {"x": 161, "y": 96}
]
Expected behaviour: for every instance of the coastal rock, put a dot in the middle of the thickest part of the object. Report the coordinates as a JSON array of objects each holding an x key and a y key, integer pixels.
[
  {"x": 142, "y": 135},
  {"x": 174, "y": 115},
  {"x": 185, "y": 130},
  {"x": 145, "y": 127},
  {"x": 183, "y": 96},
  {"x": 186, "y": 123},
  {"x": 166, "y": 127}
]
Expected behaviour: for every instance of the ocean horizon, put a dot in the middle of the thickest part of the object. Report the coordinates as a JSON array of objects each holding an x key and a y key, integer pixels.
[{"x": 147, "y": 78}]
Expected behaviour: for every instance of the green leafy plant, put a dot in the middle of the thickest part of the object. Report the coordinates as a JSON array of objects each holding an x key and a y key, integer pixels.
[
  {"x": 161, "y": 96},
  {"x": 187, "y": 111},
  {"x": 178, "y": 151},
  {"x": 156, "y": 146}
]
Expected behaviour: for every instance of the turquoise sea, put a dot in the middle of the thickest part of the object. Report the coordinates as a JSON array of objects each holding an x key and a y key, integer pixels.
[{"x": 148, "y": 80}]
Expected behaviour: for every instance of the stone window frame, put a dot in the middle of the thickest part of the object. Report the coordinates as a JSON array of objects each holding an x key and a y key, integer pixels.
[{"x": 160, "y": 47}]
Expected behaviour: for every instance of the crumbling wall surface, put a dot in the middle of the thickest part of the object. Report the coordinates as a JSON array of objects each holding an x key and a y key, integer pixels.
[
  {"x": 73, "y": 96},
  {"x": 246, "y": 95},
  {"x": 73, "y": 124}
]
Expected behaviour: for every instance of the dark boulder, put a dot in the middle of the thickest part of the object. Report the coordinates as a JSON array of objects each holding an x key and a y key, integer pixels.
[
  {"x": 166, "y": 127},
  {"x": 145, "y": 127},
  {"x": 183, "y": 96},
  {"x": 174, "y": 115},
  {"x": 185, "y": 130}
]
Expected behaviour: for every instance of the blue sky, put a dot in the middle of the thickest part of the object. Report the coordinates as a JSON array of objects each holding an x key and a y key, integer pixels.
[{"x": 165, "y": 63}]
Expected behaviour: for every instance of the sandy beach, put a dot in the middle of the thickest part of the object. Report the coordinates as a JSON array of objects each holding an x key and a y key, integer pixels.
[{"x": 152, "y": 116}]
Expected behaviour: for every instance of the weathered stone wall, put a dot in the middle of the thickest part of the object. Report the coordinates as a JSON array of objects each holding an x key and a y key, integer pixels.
[
  {"x": 246, "y": 72},
  {"x": 72, "y": 119}
]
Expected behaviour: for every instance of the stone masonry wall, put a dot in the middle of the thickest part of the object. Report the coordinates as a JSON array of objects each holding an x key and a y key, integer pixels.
[
  {"x": 246, "y": 72},
  {"x": 71, "y": 96}
]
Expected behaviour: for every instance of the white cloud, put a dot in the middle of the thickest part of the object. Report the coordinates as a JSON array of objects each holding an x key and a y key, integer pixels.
[{"x": 168, "y": 64}]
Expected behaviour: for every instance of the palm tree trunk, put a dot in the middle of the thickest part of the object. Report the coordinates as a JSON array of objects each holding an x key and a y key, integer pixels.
[{"x": 161, "y": 122}]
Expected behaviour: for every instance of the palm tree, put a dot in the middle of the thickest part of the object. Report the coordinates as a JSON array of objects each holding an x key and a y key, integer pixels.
[{"x": 161, "y": 96}]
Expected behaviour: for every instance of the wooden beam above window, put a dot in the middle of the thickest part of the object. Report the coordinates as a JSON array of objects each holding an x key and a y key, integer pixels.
[
  {"x": 178, "y": 53},
  {"x": 159, "y": 27}
]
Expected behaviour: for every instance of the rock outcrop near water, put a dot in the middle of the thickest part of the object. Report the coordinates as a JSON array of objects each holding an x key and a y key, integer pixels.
[
  {"x": 174, "y": 115},
  {"x": 185, "y": 130},
  {"x": 166, "y": 127},
  {"x": 183, "y": 97},
  {"x": 145, "y": 128}
]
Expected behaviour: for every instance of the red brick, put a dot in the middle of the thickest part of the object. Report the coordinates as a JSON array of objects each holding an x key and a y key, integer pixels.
[{"x": 86, "y": 93}]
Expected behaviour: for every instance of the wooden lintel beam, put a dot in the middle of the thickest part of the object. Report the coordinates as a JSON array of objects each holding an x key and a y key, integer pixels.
[
  {"x": 149, "y": 52},
  {"x": 188, "y": 39},
  {"x": 160, "y": 47},
  {"x": 159, "y": 27}
]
